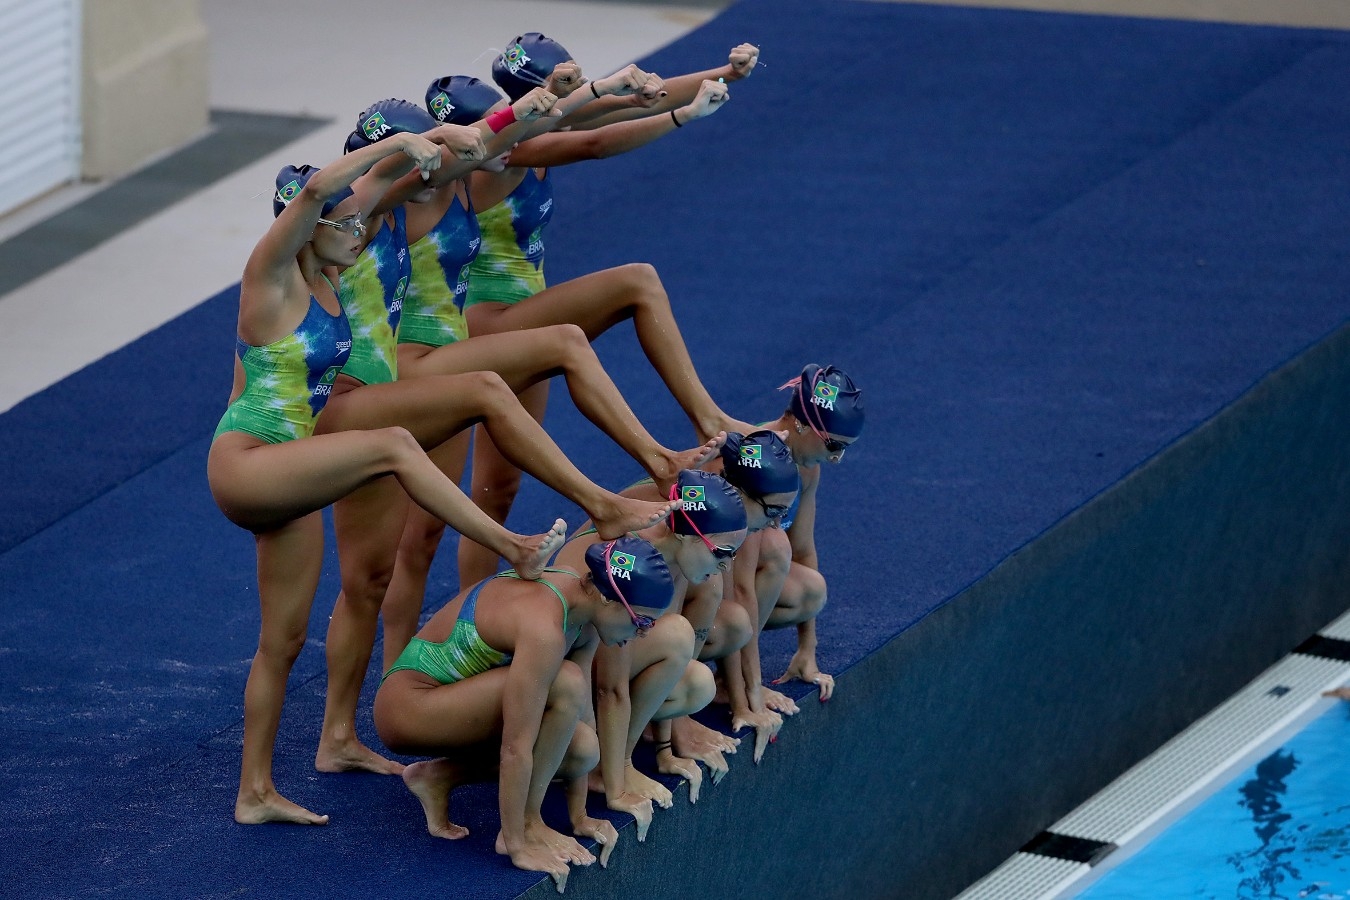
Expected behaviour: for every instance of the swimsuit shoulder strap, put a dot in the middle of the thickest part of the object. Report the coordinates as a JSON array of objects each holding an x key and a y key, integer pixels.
[{"x": 512, "y": 573}]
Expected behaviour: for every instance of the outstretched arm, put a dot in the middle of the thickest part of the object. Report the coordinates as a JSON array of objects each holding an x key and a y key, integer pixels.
[
  {"x": 272, "y": 261},
  {"x": 672, "y": 94},
  {"x": 561, "y": 148}
]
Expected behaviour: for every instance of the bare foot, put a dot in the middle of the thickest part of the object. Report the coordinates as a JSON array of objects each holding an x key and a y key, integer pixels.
[
  {"x": 594, "y": 782},
  {"x": 1342, "y": 693},
  {"x": 665, "y": 472},
  {"x": 352, "y": 756},
  {"x": 533, "y": 553},
  {"x": 627, "y": 514},
  {"x": 269, "y": 806},
  {"x": 741, "y": 428},
  {"x": 431, "y": 783}
]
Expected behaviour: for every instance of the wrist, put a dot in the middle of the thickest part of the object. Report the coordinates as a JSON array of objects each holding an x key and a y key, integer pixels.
[
  {"x": 674, "y": 118},
  {"x": 500, "y": 119},
  {"x": 595, "y": 91}
]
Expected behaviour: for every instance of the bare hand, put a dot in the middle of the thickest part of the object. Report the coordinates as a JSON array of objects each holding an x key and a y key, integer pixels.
[
  {"x": 539, "y": 857},
  {"x": 743, "y": 58},
  {"x": 628, "y": 80},
  {"x": 709, "y": 99},
  {"x": 535, "y": 105},
  {"x": 423, "y": 152},
  {"x": 780, "y": 703},
  {"x": 640, "y": 808},
  {"x": 765, "y": 725},
  {"x": 667, "y": 763},
  {"x": 634, "y": 782},
  {"x": 803, "y": 667},
  {"x": 565, "y": 78},
  {"x": 463, "y": 141},
  {"x": 693, "y": 740},
  {"x": 603, "y": 832}
]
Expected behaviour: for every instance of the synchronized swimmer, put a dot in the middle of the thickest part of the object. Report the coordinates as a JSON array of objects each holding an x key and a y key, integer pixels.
[{"x": 397, "y": 305}]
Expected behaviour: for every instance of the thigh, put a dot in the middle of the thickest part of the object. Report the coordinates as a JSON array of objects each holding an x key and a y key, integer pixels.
[
  {"x": 595, "y": 302},
  {"x": 522, "y": 357},
  {"x": 262, "y": 486},
  {"x": 415, "y": 716},
  {"x": 433, "y": 409}
]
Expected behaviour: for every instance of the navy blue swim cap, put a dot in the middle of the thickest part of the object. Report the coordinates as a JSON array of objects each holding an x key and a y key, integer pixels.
[
  {"x": 461, "y": 99},
  {"x": 827, "y": 400},
  {"x": 289, "y": 182},
  {"x": 760, "y": 464},
  {"x": 526, "y": 63},
  {"x": 636, "y": 567},
  {"x": 392, "y": 116},
  {"x": 710, "y": 504}
]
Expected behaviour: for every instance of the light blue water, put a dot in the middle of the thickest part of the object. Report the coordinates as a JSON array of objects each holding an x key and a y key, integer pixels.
[{"x": 1281, "y": 829}]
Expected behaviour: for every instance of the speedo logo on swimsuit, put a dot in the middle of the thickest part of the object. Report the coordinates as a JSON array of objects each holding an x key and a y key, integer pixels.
[
  {"x": 750, "y": 456},
  {"x": 287, "y": 194},
  {"x": 515, "y": 59},
  {"x": 694, "y": 498},
  {"x": 441, "y": 107},
  {"x": 621, "y": 565},
  {"x": 824, "y": 395},
  {"x": 375, "y": 127},
  {"x": 545, "y": 206}
]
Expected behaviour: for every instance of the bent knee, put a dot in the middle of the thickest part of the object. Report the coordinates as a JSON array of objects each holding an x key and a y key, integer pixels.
[
  {"x": 696, "y": 689},
  {"x": 674, "y": 636},
  {"x": 643, "y": 275},
  {"x": 583, "y": 753},
  {"x": 569, "y": 686}
]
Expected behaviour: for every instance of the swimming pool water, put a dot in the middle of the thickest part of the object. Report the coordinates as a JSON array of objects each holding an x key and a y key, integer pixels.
[{"x": 1280, "y": 829}]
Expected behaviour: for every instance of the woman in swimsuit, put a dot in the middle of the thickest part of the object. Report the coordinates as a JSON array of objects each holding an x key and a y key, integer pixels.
[
  {"x": 267, "y": 471},
  {"x": 496, "y": 686}
]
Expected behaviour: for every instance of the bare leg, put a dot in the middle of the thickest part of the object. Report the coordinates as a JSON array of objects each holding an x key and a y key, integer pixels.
[
  {"x": 803, "y": 597},
  {"x": 435, "y": 408},
  {"x": 432, "y": 781},
  {"x": 598, "y": 302},
  {"x": 494, "y": 485},
  {"x": 367, "y": 523},
  {"x": 422, "y": 534},
  {"x": 525, "y": 358},
  {"x": 262, "y": 486},
  {"x": 289, "y": 561}
]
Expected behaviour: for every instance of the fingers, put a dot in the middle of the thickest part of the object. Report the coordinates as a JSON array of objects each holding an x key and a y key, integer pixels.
[
  {"x": 762, "y": 736},
  {"x": 560, "y": 878},
  {"x": 695, "y": 782},
  {"x": 717, "y": 765},
  {"x": 826, "y": 683},
  {"x": 642, "y": 812},
  {"x": 608, "y": 838}
]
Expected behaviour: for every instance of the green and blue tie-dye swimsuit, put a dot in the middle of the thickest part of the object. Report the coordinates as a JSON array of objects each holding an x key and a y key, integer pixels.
[
  {"x": 510, "y": 267},
  {"x": 433, "y": 309},
  {"x": 287, "y": 382},
  {"x": 372, "y": 294},
  {"x": 464, "y": 653}
]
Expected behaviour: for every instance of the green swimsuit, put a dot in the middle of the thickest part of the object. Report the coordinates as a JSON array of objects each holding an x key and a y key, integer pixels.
[
  {"x": 464, "y": 653},
  {"x": 287, "y": 382}
]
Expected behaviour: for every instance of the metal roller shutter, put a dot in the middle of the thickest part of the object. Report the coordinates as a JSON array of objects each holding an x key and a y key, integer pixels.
[{"x": 39, "y": 96}]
